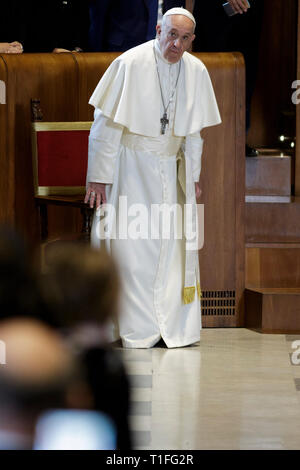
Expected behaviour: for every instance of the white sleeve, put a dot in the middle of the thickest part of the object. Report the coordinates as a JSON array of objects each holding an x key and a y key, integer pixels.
[
  {"x": 104, "y": 145},
  {"x": 193, "y": 151}
]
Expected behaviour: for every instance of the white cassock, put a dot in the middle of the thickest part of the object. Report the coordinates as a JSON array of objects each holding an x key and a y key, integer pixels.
[{"x": 145, "y": 169}]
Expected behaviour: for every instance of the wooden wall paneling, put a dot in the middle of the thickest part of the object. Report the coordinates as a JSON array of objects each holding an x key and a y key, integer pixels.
[
  {"x": 252, "y": 267},
  {"x": 281, "y": 312},
  {"x": 274, "y": 266},
  {"x": 273, "y": 310},
  {"x": 297, "y": 163},
  {"x": 240, "y": 188},
  {"x": 189, "y": 5},
  {"x": 90, "y": 70},
  {"x": 7, "y": 194},
  {"x": 273, "y": 222},
  {"x": 268, "y": 175},
  {"x": 280, "y": 267},
  {"x": 219, "y": 147},
  {"x": 276, "y": 72},
  {"x": 222, "y": 181}
]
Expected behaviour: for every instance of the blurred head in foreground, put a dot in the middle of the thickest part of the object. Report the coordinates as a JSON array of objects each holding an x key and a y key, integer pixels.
[
  {"x": 39, "y": 370},
  {"x": 18, "y": 288},
  {"x": 80, "y": 286},
  {"x": 81, "y": 289}
]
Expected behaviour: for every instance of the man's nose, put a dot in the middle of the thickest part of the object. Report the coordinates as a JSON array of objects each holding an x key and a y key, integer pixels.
[{"x": 177, "y": 43}]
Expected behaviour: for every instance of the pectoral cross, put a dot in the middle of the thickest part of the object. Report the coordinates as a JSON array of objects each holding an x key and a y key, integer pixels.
[{"x": 164, "y": 121}]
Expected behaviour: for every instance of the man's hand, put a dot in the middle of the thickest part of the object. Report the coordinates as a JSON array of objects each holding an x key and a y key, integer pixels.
[
  {"x": 59, "y": 50},
  {"x": 95, "y": 191},
  {"x": 198, "y": 191},
  {"x": 11, "y": 47},
  {"x": 240, "y": 6}
]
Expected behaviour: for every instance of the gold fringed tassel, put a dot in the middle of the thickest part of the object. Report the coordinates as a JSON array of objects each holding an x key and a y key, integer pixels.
[
  {"x": 188, "y": 294},
  {"x": 199, "y": 290}
]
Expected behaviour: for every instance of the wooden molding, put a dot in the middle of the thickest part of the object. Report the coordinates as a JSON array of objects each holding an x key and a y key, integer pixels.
[
  {"x": 297, "y": 162},
  {"x": 189, "y": 5}
]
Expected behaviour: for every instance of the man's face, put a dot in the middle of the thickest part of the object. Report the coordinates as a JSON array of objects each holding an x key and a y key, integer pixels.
[{"x": 175, "y": 36}]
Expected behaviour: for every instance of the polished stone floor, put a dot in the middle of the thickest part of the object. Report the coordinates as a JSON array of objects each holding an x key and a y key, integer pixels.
[{"x": 235, "y": 389}]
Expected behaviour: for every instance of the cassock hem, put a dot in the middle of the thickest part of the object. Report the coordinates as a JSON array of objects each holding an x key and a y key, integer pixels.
[
  {"x": 140, "y": 344},
  {"x": 169, "y": 343},
  {"x": 181, "y": 343}
]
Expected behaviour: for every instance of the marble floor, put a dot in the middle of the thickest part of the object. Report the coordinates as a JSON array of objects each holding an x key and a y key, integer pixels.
[{"x": 235, "y": 389}]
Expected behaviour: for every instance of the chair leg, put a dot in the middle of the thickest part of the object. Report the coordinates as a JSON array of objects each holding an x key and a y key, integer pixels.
[
  {"x": 87, "y": 214},
  {"x": 43, "y": 221}
]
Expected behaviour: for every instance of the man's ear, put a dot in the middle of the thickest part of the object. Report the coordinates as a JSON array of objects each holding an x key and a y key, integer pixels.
[
  {"x": 158, "y": 30},
  {"x": 190, "y": 48}
]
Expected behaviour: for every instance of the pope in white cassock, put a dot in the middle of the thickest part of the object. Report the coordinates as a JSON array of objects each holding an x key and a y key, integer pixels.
[{"x": 144, "y": 154}]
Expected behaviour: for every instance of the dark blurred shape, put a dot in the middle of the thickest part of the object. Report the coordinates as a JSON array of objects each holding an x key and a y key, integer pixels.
[
  {"x": 38, "y": 372},
  {"x": 13, "y": 21},
  {"x": 80, "y": 285},
  {"x": 216, "y": 32},
  {"x": 42, "y": 26},
  {"x": 117, "y": 25},
  {"x": 110, "y": 386},
  {"x": 18, "y": 287},
  {"x": 81, "y": 288},
  {"x": 168, "y": 4}
]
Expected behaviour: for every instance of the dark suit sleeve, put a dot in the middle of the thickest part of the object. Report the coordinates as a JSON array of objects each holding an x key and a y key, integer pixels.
[
  {"x": 13, "y": 22},
  {"x": 168, "y": 4},
  {"x": 98, "y": 14},
  {"x": 72, "y": 21},
  {"x": 40, "y": 33},
  {"x": 80, "y": 32}
]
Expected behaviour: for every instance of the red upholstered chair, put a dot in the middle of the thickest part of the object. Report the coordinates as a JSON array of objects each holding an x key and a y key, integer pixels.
[{"x": 60, "y": 152}]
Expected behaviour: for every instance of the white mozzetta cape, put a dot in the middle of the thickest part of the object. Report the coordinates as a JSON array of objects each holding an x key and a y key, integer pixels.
[{"x": 126, "y": 94}]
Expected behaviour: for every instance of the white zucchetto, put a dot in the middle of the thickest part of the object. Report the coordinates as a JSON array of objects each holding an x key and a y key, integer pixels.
[{"x": 180, "y": 11}]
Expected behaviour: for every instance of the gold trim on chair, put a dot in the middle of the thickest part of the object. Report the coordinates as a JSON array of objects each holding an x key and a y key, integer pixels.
[
  {"x": 62, "y": 126},
  {"x": 54, "y": 126},
  {"x": 60, "y": 190}
]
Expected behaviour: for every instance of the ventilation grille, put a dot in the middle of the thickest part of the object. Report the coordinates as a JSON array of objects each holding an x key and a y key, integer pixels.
[{"x": 220, "y": 303}]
